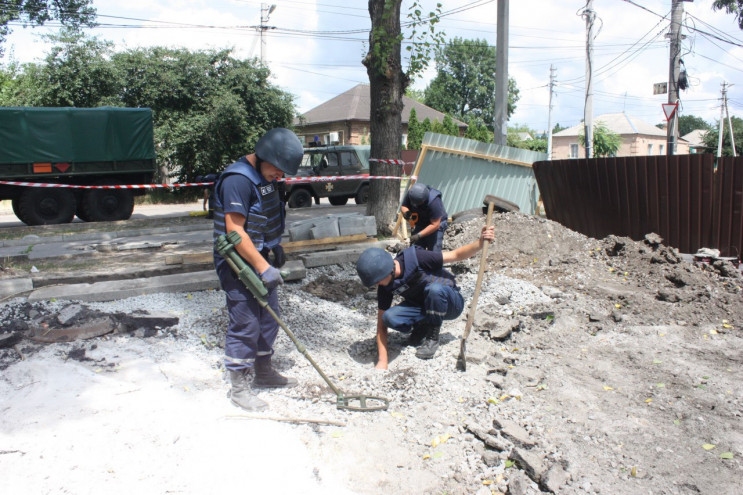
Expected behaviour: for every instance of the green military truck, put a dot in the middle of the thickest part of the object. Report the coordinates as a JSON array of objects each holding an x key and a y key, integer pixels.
[
  {"x": 74, "y": 146},
  {"x": 329, "y": 161}
]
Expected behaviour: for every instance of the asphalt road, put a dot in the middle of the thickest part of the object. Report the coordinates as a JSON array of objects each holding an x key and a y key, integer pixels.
[{"x": 8, "y": 219}]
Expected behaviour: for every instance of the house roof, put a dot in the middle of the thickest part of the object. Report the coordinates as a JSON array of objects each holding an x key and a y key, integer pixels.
[
  {"x": 619, "y": 123},
  {"x": 355, "y": 103},
  {"x": 695, "y": 138}
]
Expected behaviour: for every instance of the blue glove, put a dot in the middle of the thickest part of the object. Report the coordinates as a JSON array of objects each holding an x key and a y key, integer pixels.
[
  {"x": 279, "y": 258},
  {"x": 271, "y": 278}
]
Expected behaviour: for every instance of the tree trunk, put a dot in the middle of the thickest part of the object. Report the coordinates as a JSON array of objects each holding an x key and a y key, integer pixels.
[{"x": 387, "y": 84}]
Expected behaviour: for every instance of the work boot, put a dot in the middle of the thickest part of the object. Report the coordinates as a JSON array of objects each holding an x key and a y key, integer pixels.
[
  {"x": 417, "y": 335},
  {"x": 241, "y": 395},
  {"x": 267, "y": 377},
  {"x": 430, "y": 344}
]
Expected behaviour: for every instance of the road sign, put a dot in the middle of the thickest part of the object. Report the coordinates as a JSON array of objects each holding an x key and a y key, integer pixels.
[
  {"x": 660, "y": 88},
  {"x": 669, "y": 109}
]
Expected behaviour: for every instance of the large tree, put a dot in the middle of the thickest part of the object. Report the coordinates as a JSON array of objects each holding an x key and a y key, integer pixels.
[
  {"x": 688, "y": 123},
  {"x": 387, "y": 85},
  {"x": 208, "y": 107},
  {"x": 71, "y": 13},
  {"x": 731, "y": 7},
  {"x": 464, "y": 85}
]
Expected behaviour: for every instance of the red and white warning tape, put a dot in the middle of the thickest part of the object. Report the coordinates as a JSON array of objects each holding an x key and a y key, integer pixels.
[
  {"x": 122, "y": 186},
  {"x": 392, "y": 161},
  {"x": 288, "y": 180}
]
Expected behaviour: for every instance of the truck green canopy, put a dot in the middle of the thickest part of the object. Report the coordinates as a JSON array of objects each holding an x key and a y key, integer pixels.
[{"x": 55, "y": 135}]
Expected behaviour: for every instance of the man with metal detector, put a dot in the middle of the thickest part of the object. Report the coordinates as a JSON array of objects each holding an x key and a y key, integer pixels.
[
  {"x": 430, "y": 293},
  {"x": 423, "y": 207},
  {"x": 246, "y": 201}
]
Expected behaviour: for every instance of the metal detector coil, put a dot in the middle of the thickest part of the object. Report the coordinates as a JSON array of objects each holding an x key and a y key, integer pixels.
[{"x": 225, "y": 246}]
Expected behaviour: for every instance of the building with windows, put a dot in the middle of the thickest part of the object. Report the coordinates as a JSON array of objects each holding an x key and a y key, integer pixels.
[
  {"x": 638, "y": 138},
  {"x": 345, "y": 119}
]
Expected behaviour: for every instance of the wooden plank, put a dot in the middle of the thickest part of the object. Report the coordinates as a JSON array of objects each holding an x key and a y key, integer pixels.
[
  {"x": 180, "y": 259},
  {"x": 290, "y": 247}
]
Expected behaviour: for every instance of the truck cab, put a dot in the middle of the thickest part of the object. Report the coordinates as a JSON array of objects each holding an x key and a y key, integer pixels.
[{"x": 330, "y": 161}]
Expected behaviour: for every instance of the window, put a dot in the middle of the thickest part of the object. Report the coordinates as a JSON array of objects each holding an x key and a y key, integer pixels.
[
  {"x": 573, "y": 151},
  {"x": 650, "y": 149},
  {"x": 660, "y": 149}
]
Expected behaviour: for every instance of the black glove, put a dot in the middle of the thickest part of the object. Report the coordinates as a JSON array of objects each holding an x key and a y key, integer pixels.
[
  {"x": 414, "y": 238},
  {"x": 407, "y": 214},
  {"x": 271, "y": 278},
  {"x": 279, "y": 258}
]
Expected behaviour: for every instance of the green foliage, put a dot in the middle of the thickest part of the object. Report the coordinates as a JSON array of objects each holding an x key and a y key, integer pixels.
[
  {"x": 712, "y": 137},
  {"x": 208, "y": 108},
  {"x": 464, "y": 86},
  {"x": 451, "y": 128},
  {"x": 423, "y": 37},
  {"x": 688, "y": 123},
  {"x": 558, "y": 128},
  {"x": 415, "y": 131},
  {"x": 478, "y": 131},
  {"x": 731, "y": 7},
  {"x": 605, "y": 142},
  {"x": 416, "y": 94},
  {"x": 70, "y": 13}
]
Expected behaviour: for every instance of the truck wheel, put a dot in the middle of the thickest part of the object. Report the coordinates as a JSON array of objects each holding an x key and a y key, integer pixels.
[
  {"x": 107, "y": 205},
  {"x": 46, "y": 206},
  {"x": 363, "y": 195},
  {"x": 338, "y": 200},
  {"x": 300, "y": 198}
]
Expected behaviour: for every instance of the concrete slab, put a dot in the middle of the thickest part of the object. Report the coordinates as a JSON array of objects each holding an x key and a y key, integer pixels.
[
  {"x": 293, "y": 270},
  {"x": 350, "y": 225},
  {"x": 328, "y": 228},
  {"x": 10, "y": 287},
  {"x": 324, "y": 258},
  {"x": 121, "y": 289}
]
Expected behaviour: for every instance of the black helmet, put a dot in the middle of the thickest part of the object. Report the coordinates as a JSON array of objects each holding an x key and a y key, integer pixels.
[
  {"x": 280, "y": 147},
  {"x": 418, "y": 194},
  {"x": 373, "y": 265}
]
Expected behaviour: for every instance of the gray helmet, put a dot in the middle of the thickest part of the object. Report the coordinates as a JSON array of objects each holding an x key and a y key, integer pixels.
[
  {"x": 280, "y": 147},
  {"x": 373, "y": 265},
  {"x": 418, "y": 194}
]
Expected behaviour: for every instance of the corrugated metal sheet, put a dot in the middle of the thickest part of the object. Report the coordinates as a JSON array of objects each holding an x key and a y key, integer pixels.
[
  {"x": 681, "y": 198},
  {"x": 465, "y": 171}
]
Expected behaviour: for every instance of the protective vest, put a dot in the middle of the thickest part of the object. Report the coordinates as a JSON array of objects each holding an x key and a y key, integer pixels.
[
  {"x": 265, "y": 221},
  {"x": 424, "y": 214},
  {"x": 414, "y": 280}
]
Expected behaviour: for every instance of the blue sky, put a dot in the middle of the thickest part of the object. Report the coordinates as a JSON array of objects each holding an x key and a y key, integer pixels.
[{"x": 316, "y": 49}]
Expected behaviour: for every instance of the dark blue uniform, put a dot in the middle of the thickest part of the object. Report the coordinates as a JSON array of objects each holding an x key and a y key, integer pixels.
[
  {"x": 430, "y": 293},
  {"x": 251, "y": 331},
  {"x": 434, "y": 209}
]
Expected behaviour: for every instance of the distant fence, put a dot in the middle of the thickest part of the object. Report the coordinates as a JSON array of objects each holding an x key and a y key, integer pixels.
[{"x": 682, "y": 198}]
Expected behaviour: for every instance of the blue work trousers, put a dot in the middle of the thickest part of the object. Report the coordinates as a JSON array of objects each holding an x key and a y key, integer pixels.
[
  {"x": 435, "y": 241},
  {"x": 440, "y": 303},
  {"x": 252, "y": 330}
]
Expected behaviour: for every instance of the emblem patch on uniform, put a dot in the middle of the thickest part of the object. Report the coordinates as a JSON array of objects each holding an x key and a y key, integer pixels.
[{"x": 265, "y": 190}]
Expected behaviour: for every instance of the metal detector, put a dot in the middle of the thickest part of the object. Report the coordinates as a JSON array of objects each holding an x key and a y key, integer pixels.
[{"x": 226, "y": 248}]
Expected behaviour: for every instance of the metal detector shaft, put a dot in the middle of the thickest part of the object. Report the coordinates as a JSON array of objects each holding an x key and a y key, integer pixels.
[{"x": 226, "y": 248}]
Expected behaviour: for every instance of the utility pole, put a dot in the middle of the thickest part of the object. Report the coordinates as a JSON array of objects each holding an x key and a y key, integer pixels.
[
  {"x": 677, "y": 12},
  {"x": 590, "y": 17},
  {"x": 730, "y": 123},
  {"x": 722, "y": 120},
  {"x": 265, "y": 13},
  {"x": 549, "y": 117},
  {"x": 500, "y": 115},
  {"x": 725, "y": 113}
]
